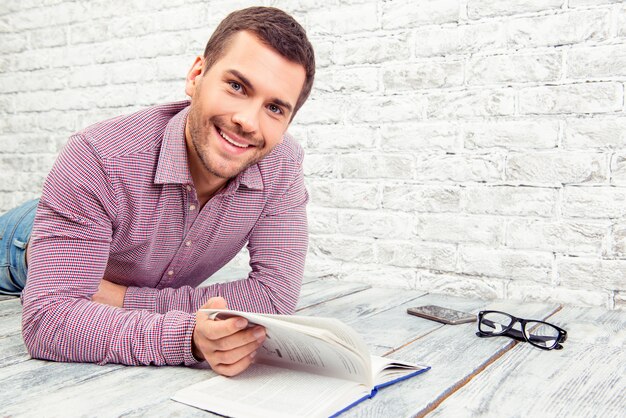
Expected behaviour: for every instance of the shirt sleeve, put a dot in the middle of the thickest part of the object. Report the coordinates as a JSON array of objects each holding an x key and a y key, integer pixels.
[
  {"x": 277, "y": 246},
  {"x": 69, "y": 250}
]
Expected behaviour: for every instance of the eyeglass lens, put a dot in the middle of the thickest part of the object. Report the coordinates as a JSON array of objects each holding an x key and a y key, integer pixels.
[
  {"x": 540, "y": 334},
  {"x": 494, "y": 323}
]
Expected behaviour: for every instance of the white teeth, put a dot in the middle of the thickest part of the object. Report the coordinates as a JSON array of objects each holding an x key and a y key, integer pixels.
[{"x": 231, "y": 141}]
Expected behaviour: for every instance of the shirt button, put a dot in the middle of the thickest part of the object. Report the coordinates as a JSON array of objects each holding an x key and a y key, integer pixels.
[
  {"x": 170, "y": 273},
  {"x": 192, "y": 207},
  {"x": 188, "y": 243},
  {"x": 188, "y": 188}
]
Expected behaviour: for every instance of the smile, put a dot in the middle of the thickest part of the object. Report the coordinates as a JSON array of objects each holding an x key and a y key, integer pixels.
[{"x": 231, "y": 141}]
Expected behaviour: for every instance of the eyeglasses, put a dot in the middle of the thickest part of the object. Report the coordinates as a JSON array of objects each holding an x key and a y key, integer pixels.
[{"x": 538, "y": 333}]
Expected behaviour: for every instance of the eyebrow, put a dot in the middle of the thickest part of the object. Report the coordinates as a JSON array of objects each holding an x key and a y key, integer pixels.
[{"x": 244, "y": 80}]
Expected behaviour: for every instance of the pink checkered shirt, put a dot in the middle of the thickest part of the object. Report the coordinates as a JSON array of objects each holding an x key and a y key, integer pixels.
[{"x": 120, "y": 203}]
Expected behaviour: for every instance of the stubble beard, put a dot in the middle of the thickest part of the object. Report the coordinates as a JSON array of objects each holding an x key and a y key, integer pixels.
[{"x": 200, "y": 133}]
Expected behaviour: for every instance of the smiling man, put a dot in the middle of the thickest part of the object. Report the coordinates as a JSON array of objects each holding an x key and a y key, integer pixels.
[{"x": 140, "y": 209}]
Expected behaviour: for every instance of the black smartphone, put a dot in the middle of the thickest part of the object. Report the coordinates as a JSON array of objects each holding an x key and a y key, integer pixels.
[{"x": 441, "y": 314}]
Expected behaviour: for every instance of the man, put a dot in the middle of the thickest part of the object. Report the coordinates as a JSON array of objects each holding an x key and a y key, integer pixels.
[{"x": 140, "y": 209}]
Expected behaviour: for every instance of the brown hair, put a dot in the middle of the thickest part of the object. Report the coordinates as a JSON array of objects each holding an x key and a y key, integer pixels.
[{"x": 274, "y": 28}]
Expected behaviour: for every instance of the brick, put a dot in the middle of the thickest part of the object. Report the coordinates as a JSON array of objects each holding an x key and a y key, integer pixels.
[
  {"x": 597, "y": 62},
  {"x": 320, "y": 165},
  {"x": 619, "y": 300},
  {"x": 462, "y": 39},
  {"x": 618, "y": 240},
  {"x": 460, "y": 229},
  {"x": 398, "y": 14},
  {"x": 510, "y": 201},
  {"x": 36, "y": 143},
  {"x": 323, "y": 49},
  {"x": 342, "y": 194},
  {"x": 27, "y": 163},
  {"x": 335, "y": 137},
  {"x": 88, "y": 75},
  {"x": 375, "y": 224},
  {"x": 512, "y": 134},
  {"x": 572, "y": 98},
  {"x": 9, "y": 200},
  {"x": 566, "y": 237},
  {"x": 92, "y": 32},
  {"x": 347, "y": 80},
  {"x": 595, "y": 133},
  {"x": 420, "y": 136},
  {"x": 375, "y": 166},
  {"x": 514, "y": 68},
  {"x": 389, "y": 109},
  {"x": 363, "y": 17},
  {"x": 531, "y": 291},
  {"x": 17, "y": 123},
  {"x": 24, "y": 182},
  {"x": 379, "y": 275},
  {"x": 341, "y": 248},
  {"x": 594, "y": 202},
  {"x": 470, "y": 103},
  {"x": 422, "y": 255},
  {"x": 459, "y": 167},
  {"x": 322, "y": 220},
  {"x": 517, "y": 265},
  {"x": 32, "y": 81},
  {"x": 618, "y": 169},
  {"x": 477, "y": 9},
  {"x": 556, "y": 168},
  {"x": 559, "y": 29},
  {"x": 13, "y": 42},
  {"x": 371, "y": 49},
  {"x": 422, "y": 75},
  {"x": 462, "y": 286},
  {"x": 421, "y": 198},
  {"x": 48, "y": 37},
  {"x": 322, "y": 267},
  {"x": 621, "y": 21},
  {"x": 579, "y": 3},
  {"x": 587, "y": 273},
  {"x": 56, "y": 122},
  {"x": 323, "y": 109},
  {"x": 133, "y": 71},
  {"x": 188, "y": 16}
]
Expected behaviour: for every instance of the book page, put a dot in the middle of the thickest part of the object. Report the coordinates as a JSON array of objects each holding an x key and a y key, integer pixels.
[
  {"x": 388, "y": 370},
  {"x": 303, "y": 347},
  {"x": 266, "y": 391}
]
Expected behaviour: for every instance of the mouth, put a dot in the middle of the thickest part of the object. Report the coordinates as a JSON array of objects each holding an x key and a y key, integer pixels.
[{"x": 232, "y": 141}]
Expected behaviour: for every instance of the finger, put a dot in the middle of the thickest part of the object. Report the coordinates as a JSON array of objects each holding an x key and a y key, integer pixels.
[
  {"x": 234, "y": 355},
  {"x": 239, "y": 339},
  {"x": 215, "y": 330},
  {"x": 235, "y": 368}
]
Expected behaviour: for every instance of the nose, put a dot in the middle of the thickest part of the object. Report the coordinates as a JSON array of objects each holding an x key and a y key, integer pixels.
[{"x": 247, "y": 118}]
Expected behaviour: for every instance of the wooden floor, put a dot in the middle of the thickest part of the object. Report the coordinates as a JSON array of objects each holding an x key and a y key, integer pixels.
[{"x": 470, "y": 376}]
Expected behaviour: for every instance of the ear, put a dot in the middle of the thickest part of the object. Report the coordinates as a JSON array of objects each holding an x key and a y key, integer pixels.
[{"x": 193, "y": 76}]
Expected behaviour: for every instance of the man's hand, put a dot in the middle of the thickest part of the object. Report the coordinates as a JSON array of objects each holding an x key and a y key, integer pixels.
[
  {"x": 110, "y": 293},
  {"x": 227, "y": 345}
]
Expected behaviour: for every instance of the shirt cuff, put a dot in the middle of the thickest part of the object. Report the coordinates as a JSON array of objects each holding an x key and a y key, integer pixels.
[
  {"x": 141, "y": 298},
  {"x": 178, "y": 329}
]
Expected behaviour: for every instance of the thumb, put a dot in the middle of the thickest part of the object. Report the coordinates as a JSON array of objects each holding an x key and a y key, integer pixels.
[{"x": 217, "y": 302}]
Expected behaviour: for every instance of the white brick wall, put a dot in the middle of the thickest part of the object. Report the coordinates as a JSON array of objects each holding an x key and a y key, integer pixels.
[{"x": 472, "y": 147}]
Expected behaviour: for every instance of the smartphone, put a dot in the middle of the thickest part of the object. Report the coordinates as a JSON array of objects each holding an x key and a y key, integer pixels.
[{"x": 443, "y": 315}]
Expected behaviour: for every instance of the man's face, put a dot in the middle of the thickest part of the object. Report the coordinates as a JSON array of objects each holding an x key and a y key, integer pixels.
[{"x": 240, "y": 107}]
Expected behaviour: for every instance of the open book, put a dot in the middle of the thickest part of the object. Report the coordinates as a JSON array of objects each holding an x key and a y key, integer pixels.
[{"x": 307, "y": 367}]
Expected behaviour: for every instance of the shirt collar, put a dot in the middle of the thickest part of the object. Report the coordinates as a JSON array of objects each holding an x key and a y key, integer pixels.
[{"x": 173, "y": 166}]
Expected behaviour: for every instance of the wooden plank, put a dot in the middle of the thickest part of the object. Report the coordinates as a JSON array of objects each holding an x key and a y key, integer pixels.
[
  {"x": 12, "y": 350},
  {"x": 362, "y": 304},
  {"x": 89, "y": 390},
  {"x": 455, "y": 354},
  {"x": 586, "y": 378},
  {"x": 5, "y": 298},
  {"x": 314, "y": 293},
  {"x": 392, "y": 329},
  {"x": 10, "y": 317}
]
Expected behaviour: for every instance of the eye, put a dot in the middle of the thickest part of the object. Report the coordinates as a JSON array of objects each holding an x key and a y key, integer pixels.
[
  {"x": 235, "y": 86},
  {"x": 275, "y": 109}
]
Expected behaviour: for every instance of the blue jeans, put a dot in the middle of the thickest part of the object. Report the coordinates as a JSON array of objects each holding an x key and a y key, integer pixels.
[{"x": 15, "y": 228}]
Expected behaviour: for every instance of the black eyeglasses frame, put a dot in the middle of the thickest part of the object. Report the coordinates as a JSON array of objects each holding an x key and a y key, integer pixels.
[{"x": 521, "y": 335}]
